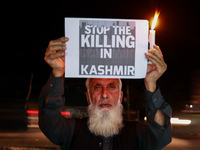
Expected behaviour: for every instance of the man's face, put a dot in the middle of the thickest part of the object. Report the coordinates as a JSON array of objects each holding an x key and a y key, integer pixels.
[{"x": 104, "y": 93}]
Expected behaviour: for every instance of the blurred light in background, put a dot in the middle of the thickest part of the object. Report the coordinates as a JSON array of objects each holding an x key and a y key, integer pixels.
[
  {"x": 32, "y": 117},
  {"x": 180, "y": 121},
  {"x": 177, "y": 121}
]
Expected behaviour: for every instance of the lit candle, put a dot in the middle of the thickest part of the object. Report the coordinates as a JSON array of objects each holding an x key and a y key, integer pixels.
[
  {"x": 152, "y": 32},
  {"x": 152, "y": 40}
]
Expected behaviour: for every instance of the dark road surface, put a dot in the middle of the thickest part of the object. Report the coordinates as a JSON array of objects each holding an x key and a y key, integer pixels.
[{"x": 33, "y": 139}]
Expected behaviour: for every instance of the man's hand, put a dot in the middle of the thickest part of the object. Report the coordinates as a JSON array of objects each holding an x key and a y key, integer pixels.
[
  {"x": 55, "y": 56},
  {"x": 155, "y": 70}
]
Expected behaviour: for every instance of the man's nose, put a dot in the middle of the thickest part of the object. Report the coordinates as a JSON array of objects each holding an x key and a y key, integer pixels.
[{"x": 104, "y": 94}]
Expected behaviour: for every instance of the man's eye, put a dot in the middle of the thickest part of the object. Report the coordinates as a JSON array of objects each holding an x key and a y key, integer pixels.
[
  {"x": 97, "y": 87},
  {"x": 112, "y": 87}
]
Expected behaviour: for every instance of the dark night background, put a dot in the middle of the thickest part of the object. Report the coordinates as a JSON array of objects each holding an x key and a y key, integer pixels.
[{"x": 29, "y": 26}]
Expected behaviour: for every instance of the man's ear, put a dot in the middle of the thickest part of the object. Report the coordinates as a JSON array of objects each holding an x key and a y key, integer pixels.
[
  {"x": 121, "y": 96},
  {"x": 88, "y": 98}
]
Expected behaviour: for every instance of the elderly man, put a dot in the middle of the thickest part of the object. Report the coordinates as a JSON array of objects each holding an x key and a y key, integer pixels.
[{"x": 104, "y": 128}]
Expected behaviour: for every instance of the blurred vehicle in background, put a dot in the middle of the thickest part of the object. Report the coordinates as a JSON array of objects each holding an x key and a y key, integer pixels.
[
  {"x": 75, "y": 102},
  {"x": 186, "y": 123},
  {"x": 13, "y": 115},
  {"x": 68, "y": 112}
]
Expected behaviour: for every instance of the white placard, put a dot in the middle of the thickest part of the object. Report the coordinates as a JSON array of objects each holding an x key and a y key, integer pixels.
[{"x": 106, "y": 48}]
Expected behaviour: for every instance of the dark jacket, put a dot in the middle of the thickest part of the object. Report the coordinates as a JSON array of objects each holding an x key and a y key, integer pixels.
[{"x": 73, "y": 134}]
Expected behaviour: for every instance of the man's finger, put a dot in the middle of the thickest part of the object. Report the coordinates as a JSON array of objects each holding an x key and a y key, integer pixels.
[
  {"x": 52, "y": 56},
  {"x": 155, "y": 54},
  {"x": 158, "y": 48},
  {"x": 59, "y": 41},
  {"x": 156, "y": 59},
  {"x": 54, "y": 48}
]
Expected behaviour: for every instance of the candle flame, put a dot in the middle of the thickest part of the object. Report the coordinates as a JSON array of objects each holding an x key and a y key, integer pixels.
[{"x": 154, "y": 22}]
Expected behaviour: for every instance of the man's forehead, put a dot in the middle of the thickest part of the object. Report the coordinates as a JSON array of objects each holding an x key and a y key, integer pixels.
[{"x": 104, "y": 80}]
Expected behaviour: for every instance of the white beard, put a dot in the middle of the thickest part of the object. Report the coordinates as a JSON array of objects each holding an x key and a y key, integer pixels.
[{"x": 105, "y": 122}]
